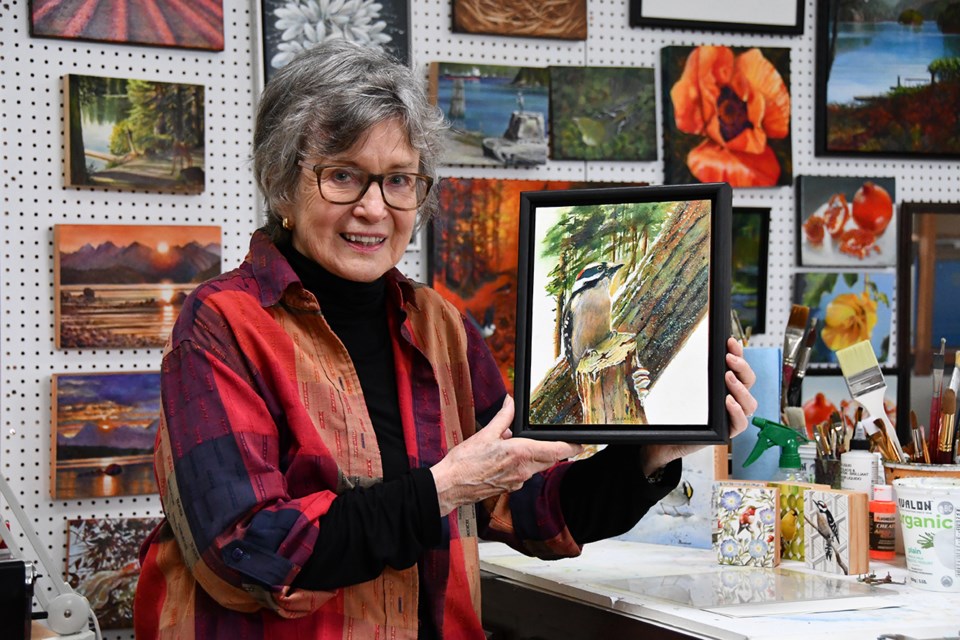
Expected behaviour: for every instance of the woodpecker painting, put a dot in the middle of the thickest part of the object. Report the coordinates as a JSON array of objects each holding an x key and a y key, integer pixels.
[
  {"x": 827, "y": 527},
  {"x": 586, "y": 316}
]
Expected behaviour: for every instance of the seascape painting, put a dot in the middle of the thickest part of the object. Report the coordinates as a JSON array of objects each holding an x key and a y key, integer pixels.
[
  {"x": 888, "y": 78},
  {"x": 563, "y": 19},
  {"x": 500, "y": 115},
  {"x": 850, "y": 307},
  {"x": 123, "y": 285},
  {"x": 134, "y": 134},
  {"x": 189, "y": 25},
  {"x": 726, "y": 115},
  {"x": 104, "y": 428},
  {"x": 603, "y": 113},
  {"x": 103, "y": 565}
]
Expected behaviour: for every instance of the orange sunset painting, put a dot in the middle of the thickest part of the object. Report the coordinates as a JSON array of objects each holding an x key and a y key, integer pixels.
[
  {"x": 104, "y": 427},
  {"x": 123, "y": 285}
]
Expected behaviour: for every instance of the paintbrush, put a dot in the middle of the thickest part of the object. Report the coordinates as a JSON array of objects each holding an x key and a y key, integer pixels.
[
  {"x": 935, "y": 396},
  {"x": 864, "y": 379},
  {"x": 915, "y": 434},
  {"x": 947, "y": 417},
  {"x": 737, "y": 328},
  {"x": 803, "y": 361},
  {"x": 792, "y": 338}
]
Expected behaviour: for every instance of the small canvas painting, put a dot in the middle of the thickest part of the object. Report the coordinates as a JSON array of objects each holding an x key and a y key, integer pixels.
[
  {"x": 836, "y": 531},
  {"x": 188, "y": 25},
  {"x": 750, "y": 145},
  {"x": 499, "y": 114},
  {"x": 134, "y": 134},
  {"x": 563, "y": 19},
  {"x": 603, "y": 113},
  {"x": 746, "y": 524},
  {"x": 850, "y": 307},
  {"x": 123, "y": 285},
  {"x": 846, "y": 222},
  {"x": 103, "y": 566},
  {"x": 751, "y": 239},
  {"x": 104, "y": 427}
]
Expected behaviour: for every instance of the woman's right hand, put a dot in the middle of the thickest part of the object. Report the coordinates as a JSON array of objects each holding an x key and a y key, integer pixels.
[{"x": 492, "y": 462}]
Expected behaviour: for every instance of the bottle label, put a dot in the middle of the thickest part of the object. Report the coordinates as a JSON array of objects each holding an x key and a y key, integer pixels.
[{"x": 883, "y": 527}]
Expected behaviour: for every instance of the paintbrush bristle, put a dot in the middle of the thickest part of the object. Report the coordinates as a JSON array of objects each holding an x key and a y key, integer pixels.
[
  {"x": 860, "y": 369},
  {"x": 950, "y": 402},
  {"x": 798, "y": 316},
  {"x": 938, "y": 357}
]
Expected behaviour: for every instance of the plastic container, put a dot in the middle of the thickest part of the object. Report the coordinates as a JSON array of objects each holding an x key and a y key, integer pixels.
[
  {"x": 858, "y": 471},
  {"x": 929, "y": 513},
  {"x": 883, "y": 523},
  {"x": 808, "y": 460}
]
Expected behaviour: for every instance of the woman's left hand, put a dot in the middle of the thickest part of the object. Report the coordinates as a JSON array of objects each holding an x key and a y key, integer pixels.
[{"x": 740, "y": 405}]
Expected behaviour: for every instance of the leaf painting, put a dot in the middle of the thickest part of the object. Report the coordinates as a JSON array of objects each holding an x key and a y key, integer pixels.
[
  {"x": 189, "y": 25},
  {"x": 564, "y": 19},
  {"x": 104, "y": 428},
  {"x": 602, "y": 113}
]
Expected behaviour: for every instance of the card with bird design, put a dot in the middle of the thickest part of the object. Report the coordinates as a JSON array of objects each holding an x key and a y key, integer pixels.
[
  {"x": 791, "y": 517},
  {"x": 746, "y": 524},
  {"x": 836, "y": 531}
]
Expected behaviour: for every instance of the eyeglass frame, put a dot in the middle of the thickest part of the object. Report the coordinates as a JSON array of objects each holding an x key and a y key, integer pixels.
[{"x": 371, "y": 178}]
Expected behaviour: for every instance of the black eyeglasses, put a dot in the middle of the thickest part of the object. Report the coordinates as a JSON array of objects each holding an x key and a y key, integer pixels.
[{"x": 345, "y": 185}]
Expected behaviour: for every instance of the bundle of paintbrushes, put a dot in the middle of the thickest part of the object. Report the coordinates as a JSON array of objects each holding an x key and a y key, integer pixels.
[
  {"x": 832, "y": 437},
  {"x": 798, "y": 342},
  {"x": 943, "y": 444}
]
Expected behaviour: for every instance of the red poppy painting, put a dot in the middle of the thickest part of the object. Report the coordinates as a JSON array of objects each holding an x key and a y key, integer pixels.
[{"x": 727, "y": 115}]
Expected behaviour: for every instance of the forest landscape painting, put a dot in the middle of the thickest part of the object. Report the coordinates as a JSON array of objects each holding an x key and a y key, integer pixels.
[
  {"x": 103, "y": 565},
  {"x": 134, "y": 134},
  {"x": 104, "y": 427},
  {"x": 888, "y": 77},
  {"x": 123, "y": 285},
  {"x": 499, "y": 115}
]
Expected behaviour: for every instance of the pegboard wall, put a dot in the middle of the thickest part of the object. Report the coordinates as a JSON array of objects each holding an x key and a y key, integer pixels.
[{"x": 34, "y": 198}]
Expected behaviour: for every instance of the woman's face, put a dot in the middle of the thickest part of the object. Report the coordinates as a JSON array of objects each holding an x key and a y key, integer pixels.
[{"x": 363, "y": 240}]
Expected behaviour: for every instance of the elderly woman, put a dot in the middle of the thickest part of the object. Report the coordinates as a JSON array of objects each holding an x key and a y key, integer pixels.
[{"x": 319, "y": 459}]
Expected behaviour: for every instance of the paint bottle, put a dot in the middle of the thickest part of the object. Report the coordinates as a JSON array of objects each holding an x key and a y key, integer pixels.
[
  {"x": 883, "y": 523},
  {"x": 858, "y": 468}
]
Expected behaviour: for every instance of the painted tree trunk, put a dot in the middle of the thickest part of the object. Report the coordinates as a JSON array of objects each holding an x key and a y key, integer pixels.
[{"x": 605, "y": 383}]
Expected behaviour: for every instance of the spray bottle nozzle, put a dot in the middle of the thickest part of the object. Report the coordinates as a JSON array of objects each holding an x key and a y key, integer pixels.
[{"x": 774, "y": 433}]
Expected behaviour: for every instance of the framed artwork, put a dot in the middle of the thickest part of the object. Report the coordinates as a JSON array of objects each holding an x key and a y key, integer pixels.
[
  {"x": 846, "y": 222},
  {"x": 726, "y": 115},
  {"x": 472, "y": 248},
  {"x": 753, "y": 16},
  {"x": 499, "y": 115},
  {"x": 103, "y": 565},
  {"x": 887, "y": 80},
  {"x": 603, "y": 113},
  {"x": 123, "y": 285},
  {"x": 187, "y": 25},
  {"x": 287, "y": 27},
  {"x": 563, "y": 19},
  {"x": 849, "y": 307},
  {"x": 751, "y": 239},
  {"x": 104, "y": 427},
  {"x": 623, "y": 311},
  {"x": 134, "y": 134},
  {"x": 825, "y": 391}
]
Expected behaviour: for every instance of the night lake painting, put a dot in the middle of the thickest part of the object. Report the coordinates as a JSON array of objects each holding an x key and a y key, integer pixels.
[
  {"x": 123, "y": 285},
  {"x": 888, "y": 76},
  {"x": 104, "y": 427}
]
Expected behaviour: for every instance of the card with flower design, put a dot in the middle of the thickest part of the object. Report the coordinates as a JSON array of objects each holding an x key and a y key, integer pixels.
[
  {"x": 836, "y": 531},
  {"x": 746, "y": 524},
  {"x": 726, "y": 115},
  {"x": 849, "y": 307},
  {"x": 846, "y": 222}
]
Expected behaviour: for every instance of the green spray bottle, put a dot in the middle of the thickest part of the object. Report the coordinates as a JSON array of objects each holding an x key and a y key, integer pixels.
[{"x": 774, "y": 433}]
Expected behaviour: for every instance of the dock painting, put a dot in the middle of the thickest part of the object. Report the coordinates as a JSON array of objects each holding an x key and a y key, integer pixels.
[{"x": 134, "y": 134}]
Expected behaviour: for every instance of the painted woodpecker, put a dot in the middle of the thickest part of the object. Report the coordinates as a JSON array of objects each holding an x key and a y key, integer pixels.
[
  {"x": 586, "y": 317},
  {"x": 827, "y": 526}
]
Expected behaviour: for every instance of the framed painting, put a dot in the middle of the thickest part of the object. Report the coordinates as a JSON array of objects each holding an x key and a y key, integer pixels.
[
  {"x": 620, "y": 332},
  {"x": 849, "y": 307},
  {"x": 887, "y": 80},
  {"x": 287, "y": 27},
  {"x": 123, "y": 285},
  {"x": 751, "y": 144},
  {"x": 134, "y": 134},
  {"x": 103, "y": 565},
  {"x": 499, "y": 115},
  {"x": 825, "y": 391},
  {"x": 104, "y": 427},
  {"x": 186, "y": 25},
  {"x": 563, "y": 19},
  {"x": 751, "y": 239},
  {"x": 753, "y": 16},
  {"x": 603, "y": 113},
  {"x": 846, "y": 222}
]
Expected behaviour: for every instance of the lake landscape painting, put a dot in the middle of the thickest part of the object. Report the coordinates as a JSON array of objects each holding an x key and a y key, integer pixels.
[
  {"x": 888, "y": 77},
  {"x": 123, "y": 285},
  {"x": 104, "y": 427}
]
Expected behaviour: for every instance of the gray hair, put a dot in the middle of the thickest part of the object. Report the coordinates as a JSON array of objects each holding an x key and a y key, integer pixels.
[{"x": 322, "y": 103}]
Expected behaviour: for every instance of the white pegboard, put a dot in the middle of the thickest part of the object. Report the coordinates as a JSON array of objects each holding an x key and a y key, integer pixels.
[{"x": 34, "y": 199}]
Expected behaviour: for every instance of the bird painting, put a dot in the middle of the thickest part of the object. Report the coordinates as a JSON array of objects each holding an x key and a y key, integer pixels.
[
  {"x": 789, "y": 528},
  {"x": 678, "y": 498}
]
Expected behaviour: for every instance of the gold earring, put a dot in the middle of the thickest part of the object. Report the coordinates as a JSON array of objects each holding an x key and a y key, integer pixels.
[{"x": 287, "y": 224}]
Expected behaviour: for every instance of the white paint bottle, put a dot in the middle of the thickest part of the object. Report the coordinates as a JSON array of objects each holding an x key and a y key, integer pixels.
[{"x": 858, "y": 468}]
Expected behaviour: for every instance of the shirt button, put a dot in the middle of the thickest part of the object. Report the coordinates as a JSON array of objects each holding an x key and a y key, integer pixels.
[{"x": 237, "y": 554}]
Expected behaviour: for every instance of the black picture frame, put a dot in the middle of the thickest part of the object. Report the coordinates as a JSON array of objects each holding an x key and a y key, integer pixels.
[
  {"x": 671, "y": 306},
  {"x": 788, "y": 21}
]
